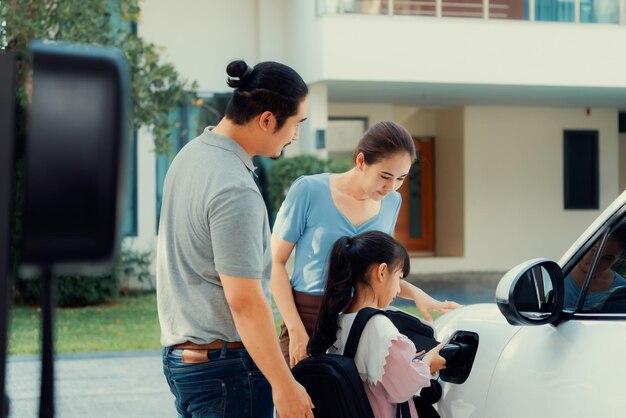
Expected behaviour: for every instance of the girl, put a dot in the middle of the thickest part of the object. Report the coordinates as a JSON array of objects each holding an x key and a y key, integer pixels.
[
  {"x": 319, "y": 209},
  {"x": 365, "y": 271}
]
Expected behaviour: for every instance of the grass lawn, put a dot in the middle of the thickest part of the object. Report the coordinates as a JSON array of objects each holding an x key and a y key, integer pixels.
[{"x": 131, "y": 323}]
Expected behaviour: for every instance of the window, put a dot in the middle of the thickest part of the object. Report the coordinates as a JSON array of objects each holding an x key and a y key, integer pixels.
[
  {"x": 342, "y": 135},
  {"x": 184, "y": 127},
  {"x": 129, "y": 223},
  {"x": 599, "y": 275},
  {"x": 581, "y": 169}
]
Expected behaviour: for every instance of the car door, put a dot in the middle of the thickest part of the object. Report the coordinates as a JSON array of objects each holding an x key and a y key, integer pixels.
[{"x": 574, "y": 369}]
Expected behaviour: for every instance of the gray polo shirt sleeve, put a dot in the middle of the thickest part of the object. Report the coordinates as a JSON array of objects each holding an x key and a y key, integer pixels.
[{"x": 236, "y": 219}]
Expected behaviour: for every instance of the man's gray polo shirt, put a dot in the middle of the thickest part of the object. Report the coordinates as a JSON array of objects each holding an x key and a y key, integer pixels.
[{"x": 213, "y": 219}]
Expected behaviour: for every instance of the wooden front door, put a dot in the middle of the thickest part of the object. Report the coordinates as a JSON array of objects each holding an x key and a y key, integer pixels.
[{"x": 415, "y": 227}]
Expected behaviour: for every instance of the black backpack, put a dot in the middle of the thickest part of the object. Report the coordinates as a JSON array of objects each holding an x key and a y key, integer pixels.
[{"x": 333, "y": 382}]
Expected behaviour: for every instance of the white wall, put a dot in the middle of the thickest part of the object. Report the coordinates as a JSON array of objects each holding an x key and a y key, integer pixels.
[
  {"x": 513, "y": 185},
  {"x": 450, "y": 183},
  {"x": 362, "y": 47},
  {"x": 303, "y": 37},
  {"x": 271, "y": 33},
  {"x": 374, "y": 112},
  {"x": 514, "y": 181},
  {"x": 201, "y": 37},
  {"x": 418, "y": 121},
  {"x": 317, "y": 119}
]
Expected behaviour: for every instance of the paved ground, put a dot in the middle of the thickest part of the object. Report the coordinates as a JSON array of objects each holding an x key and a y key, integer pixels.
[
  {"x": 131, "y": 384},
  {"x": 103, "y": 385}
]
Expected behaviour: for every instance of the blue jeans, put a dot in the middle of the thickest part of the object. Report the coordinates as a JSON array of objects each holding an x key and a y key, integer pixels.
[{"x": 228, "y": 385}]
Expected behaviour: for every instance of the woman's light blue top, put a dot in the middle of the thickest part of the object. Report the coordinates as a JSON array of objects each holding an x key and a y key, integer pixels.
[{"x": 309, "y": 218}]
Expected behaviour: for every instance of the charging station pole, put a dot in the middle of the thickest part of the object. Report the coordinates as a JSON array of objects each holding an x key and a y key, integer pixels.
[{"x": 7, "y": 174}]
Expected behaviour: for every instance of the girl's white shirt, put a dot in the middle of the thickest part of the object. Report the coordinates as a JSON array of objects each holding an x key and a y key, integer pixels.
[{"x": 373, "y": 347}]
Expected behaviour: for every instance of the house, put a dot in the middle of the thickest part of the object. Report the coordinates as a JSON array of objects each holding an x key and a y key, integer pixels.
[{"x": 515, "y": 106}]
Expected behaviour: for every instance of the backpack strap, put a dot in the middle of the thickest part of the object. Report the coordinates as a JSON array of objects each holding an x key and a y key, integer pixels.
[
  {"x": 403, "y": 410},
  {"x": 424, "y": 409},
  {"x": 356, "y": 330}
]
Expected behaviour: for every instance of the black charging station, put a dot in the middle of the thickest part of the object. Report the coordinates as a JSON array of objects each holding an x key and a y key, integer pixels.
[{"x": 74, "y": 176}]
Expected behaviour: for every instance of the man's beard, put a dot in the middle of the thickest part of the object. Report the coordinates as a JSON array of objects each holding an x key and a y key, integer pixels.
[
  {"x": 277, "y": 157},
  {"x": 282, "y": 153}
]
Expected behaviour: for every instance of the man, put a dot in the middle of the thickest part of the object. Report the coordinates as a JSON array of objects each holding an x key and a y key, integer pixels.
[{"x": 214, "y": 258}]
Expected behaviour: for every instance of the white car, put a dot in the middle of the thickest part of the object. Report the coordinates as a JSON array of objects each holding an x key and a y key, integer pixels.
[{"x": 554, "y": 343}]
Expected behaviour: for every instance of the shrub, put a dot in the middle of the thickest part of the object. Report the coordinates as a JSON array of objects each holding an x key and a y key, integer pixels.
[
  {"x": 284, "y": 171},
  {"x": 134, "y": 264},
  {"x": 90, "y": 289},
  {"x": 71, "y": 290}
]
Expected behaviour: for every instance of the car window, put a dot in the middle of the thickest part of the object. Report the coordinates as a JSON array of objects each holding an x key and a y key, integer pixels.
[{"x": 598, "y": 277}]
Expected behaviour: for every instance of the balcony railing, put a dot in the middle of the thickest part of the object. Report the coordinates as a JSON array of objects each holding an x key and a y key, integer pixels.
[{"x": 573, "y": 11}]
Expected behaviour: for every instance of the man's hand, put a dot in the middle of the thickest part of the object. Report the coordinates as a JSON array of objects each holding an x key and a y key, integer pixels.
[
  {"x": 255, "y": 323},
  {"x": 292, "y": 401}
]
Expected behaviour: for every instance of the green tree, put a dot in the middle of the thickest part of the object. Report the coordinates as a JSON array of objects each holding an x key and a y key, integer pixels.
[
  {"x": 156, "y": 91},
  {"x": 157, "y": 88}
]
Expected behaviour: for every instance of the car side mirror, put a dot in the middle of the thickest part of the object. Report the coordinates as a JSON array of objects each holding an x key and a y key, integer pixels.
[{"x": 531, "y": 293}]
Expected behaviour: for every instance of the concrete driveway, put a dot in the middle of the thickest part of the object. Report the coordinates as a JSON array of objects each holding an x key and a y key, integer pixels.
[{"x": 95, "y": 385}]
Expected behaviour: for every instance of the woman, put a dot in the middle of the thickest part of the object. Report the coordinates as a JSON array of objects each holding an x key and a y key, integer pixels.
[{"x": 319, "y": 209}]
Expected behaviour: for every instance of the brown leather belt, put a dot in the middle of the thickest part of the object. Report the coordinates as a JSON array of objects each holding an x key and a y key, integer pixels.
[
  {"x": 215, "y": 345},
  {"x": 199, "y": 353}
]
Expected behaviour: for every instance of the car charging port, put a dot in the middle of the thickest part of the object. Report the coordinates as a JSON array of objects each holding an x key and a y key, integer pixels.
[{"x": 459, "y": 354}]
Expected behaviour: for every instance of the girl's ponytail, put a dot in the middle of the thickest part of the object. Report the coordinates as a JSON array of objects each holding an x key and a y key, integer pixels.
[{"x": 337, "y": 296}]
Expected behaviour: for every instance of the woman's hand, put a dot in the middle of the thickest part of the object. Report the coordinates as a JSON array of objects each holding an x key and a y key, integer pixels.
[
  {"x": 297, "y": 346},
  {"x": 426, "y": 303}
]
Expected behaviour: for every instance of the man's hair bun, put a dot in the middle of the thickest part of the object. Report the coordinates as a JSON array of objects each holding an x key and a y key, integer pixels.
[{"x": 238, "y": 72}]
